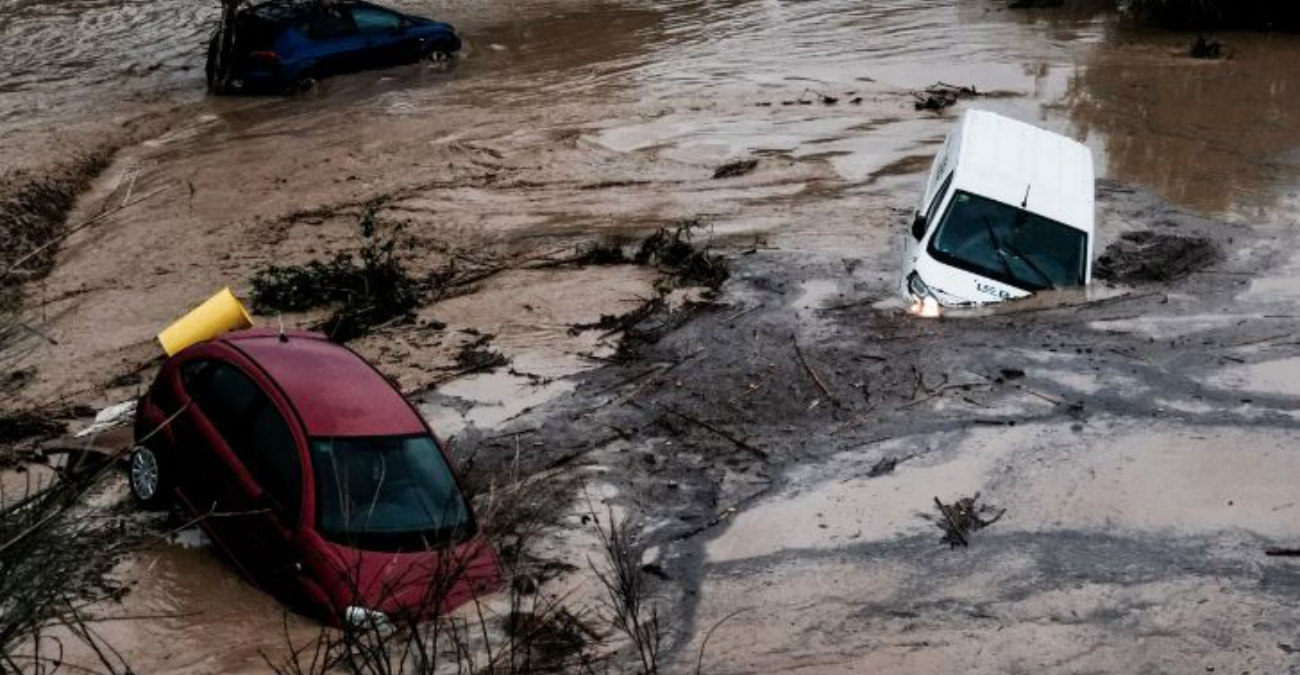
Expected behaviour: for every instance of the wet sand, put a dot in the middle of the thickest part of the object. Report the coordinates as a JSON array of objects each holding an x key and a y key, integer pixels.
[{"x": 570, "y": 121}]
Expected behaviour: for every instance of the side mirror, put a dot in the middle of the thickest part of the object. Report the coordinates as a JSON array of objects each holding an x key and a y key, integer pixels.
[{"x": 918, "y": 227}]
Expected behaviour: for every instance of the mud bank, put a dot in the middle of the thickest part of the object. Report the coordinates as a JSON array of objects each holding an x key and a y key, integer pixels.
[{"x": 1141, "y": 451}]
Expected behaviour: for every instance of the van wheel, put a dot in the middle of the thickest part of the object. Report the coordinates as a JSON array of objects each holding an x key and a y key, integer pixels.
[{"x": 149, "y": 478}]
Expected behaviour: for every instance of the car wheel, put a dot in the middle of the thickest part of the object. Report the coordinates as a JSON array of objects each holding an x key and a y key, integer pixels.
[
  {"x": 436, "y": 56},
  {"x": 304, "y": 85},
  {"x": 148, "y": 478}
]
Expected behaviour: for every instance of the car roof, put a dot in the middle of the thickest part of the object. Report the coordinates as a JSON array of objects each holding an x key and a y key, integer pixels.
[
  {"x": 1002, "y": 159},
  {"x": 334, "y": 391},
  {"x": 286, "y": 10}
]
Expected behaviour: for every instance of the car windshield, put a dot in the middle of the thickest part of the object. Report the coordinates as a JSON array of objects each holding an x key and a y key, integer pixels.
[
  {"x": 387, "y": 493},
  {"x": 1010, "y": 245}
]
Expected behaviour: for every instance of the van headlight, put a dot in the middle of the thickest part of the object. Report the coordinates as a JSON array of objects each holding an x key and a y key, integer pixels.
[
  {"x": 924, "y": 302},
  {"x": 368, "y": 619}
]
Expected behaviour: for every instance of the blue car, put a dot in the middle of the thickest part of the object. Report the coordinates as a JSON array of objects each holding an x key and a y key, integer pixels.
[{"x": 286, "y": 45}]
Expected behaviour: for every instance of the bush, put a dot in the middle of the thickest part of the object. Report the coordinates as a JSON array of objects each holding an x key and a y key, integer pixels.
[{"x": 366, "y": 289}]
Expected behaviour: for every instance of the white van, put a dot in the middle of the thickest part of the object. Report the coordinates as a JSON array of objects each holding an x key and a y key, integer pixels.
[{"x": 1007, "y": 211}]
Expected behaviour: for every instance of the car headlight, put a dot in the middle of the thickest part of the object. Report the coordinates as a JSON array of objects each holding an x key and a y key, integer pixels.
[
  {"x": 368, "y": 619},
  {"x": 924, "y": 302}
]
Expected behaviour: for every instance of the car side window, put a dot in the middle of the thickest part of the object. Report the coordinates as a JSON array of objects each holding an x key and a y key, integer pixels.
[
  {"x": 254, "y": 429},
  {"x": 226, "y": 397},
  {"x": 191, "y": 373},
  {"x": 375, "y": 20},
  {"x": 938, "y": 199},
  {"x": 329, "y": 22},
  {"x": 273, "y": 458}
]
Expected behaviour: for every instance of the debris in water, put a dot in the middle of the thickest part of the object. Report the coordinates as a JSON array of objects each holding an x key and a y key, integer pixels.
[
  {"x": 964, "y": 516},
  {"x": 603, "y": 253},
  {"x": 1036, "y": 4},
  {"x": 477, "y": 356},
  {"x": 736, "y": 169},
  {"x": 365, "y": 293},
  {"x": 113, "y": 416},
  {"x": 673, "y": 251},
  {"x": 1283, "y": 552},
  {"x": 886, "y": 466},
  {"x": 940, "y": 96},
  {"x": 614, "y": 323},
  {"x": 1205, "y": 48},
  {"x": 1146, "y": 256}
]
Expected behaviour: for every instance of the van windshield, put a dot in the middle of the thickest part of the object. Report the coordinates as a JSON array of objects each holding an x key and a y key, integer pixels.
[
  {"x": 1010, "y": 245},
  {"x": 387, "y": 493}
]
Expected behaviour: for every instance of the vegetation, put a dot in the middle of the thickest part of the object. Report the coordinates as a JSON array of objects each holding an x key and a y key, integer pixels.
[
  {"x": 366, "y": 290},
  {"x": 32, "y": 212}
]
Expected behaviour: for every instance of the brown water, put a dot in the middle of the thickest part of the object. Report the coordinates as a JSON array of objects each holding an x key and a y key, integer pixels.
[{"x": 552, "y": 98}]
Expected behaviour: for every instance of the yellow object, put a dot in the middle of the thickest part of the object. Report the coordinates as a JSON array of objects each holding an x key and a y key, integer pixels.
[{"x": 217, "y": 315}]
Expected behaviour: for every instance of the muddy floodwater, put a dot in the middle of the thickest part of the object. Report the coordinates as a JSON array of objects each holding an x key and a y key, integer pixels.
[{"x": 1143, "y": 444}]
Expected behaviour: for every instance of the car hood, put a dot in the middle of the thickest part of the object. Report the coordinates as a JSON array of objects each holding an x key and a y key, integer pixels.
[{"x": 415, "y": 585}]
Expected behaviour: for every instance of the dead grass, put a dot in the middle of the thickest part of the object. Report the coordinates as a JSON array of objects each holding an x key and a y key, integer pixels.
[{"x": 33, "y": 209}]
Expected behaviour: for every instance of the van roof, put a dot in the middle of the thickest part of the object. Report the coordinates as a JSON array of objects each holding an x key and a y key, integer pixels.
[{"x": 1002, "y": 159}]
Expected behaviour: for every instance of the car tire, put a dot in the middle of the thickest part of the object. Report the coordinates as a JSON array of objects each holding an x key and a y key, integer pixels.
[
  {"x": 304, "y": 85},
  {"x": 441, "y": 50},
  {"x": 149, "y": 478}
]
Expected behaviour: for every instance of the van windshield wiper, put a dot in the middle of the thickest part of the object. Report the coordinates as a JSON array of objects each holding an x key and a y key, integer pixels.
[
  {"x": 997, "y": 247},
  {"x": 1032, "y": 265},
  {"x": 1002, "y": 256}
]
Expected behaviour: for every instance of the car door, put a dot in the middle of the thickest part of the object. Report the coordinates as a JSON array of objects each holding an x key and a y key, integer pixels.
[
  {"x": 333, "y": 43},
  {"x": 252, "y": 471},
  {"x": 386, "y": 35}
]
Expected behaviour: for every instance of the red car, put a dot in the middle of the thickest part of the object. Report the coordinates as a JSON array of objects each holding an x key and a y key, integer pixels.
[{"x": 313, "y": 474}]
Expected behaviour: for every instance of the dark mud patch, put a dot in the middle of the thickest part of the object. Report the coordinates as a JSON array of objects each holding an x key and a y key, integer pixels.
[
  {"x": 902, "y": 167},
  {"x": 735, "y": 169},
  {"x": 33, "y": 208},
  {"x": 26, "y": 425},
  {"x": 1146, "y": 256}
]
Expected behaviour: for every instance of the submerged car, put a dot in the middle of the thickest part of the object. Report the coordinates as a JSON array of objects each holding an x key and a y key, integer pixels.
[
  {"x": 287, "y": 45},
  {"x": 313, "y": 475},
  {"x": 1007, "y": 211}
]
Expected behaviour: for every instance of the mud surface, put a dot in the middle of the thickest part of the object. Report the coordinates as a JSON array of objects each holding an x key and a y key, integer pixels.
[{"x": 1139, "y": 435}]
